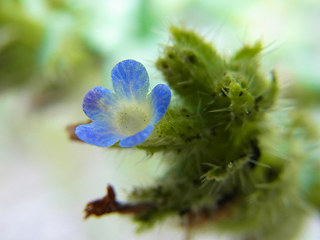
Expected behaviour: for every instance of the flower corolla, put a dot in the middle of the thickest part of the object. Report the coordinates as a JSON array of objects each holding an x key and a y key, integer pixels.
[{"x": 129, "y": 113}]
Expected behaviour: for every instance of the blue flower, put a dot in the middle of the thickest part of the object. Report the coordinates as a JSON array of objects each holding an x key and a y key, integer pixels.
[{"x": 129, "y": 113}]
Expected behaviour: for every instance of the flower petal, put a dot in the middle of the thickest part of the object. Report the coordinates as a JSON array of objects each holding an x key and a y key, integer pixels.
[
  {"x": 130, "y": 79},
  {"x": 98, "y": 133},
  {"x": 160, "y": 99},
  {"x": 97, "y": 102},
  {"x": 137, "y": 138}
]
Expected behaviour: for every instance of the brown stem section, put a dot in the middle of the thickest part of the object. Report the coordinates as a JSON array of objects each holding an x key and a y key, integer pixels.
[
  {"x": 221, "y": 211},
  {"x": 109, "y": 204},
  {"x": 72, "y": 127}
]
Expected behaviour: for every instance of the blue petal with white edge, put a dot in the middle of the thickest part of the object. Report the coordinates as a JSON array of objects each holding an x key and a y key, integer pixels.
[
  {"x": 160, "y": 99},
  {"x": 137, "y": 138},
  {"x": 98, "y": 133},
  {"x": 97, "y": 103},
  {"x": 130, "y": 79}
]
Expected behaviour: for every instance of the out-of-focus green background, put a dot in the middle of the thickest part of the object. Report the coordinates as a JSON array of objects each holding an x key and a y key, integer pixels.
[{"x": 53, "y": 51}]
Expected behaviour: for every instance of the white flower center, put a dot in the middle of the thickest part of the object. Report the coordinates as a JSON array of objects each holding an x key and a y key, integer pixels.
[{"x": 132, "y": 117}]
